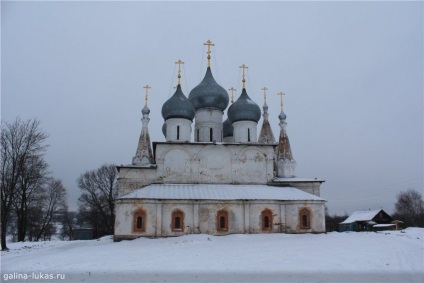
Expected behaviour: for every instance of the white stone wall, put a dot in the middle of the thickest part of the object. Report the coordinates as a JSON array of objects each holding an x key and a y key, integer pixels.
[
  {"x": 201, "y": 216},
  {"x": 175, "y": 125},
  {"x": 245, "y": 132},
  {"x": 206, "y": 119}
]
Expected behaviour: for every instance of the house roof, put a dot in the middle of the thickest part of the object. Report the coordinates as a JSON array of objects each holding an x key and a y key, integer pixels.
[
  {"x": 219, "y": 192},
  {"x": 366, "y": 215}
]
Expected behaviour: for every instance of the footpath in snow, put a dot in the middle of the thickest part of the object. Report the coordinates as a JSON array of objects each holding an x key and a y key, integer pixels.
[{"x": 389, "y": 256}]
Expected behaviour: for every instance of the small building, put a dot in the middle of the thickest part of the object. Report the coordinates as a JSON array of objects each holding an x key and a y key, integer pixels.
[
  {"x": 83, "y": 234},
  {"x": 369, "y": 220}
]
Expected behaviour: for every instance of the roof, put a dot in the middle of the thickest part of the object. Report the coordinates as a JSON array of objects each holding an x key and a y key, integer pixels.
[
  {"x": 366, "y": 215},
  {"x": 219, "y": 192},
  {"x": 293, "y": 180},
  {"x": 384, "y": 225}
]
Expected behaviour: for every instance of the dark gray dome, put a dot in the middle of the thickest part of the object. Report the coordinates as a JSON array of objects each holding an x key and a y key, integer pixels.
[
  {"x": 145, "y": 110},
  {"x": 228, "y": 128},
  {"x": 178, "y": 106},
  {"x": 164, "y": 129},
  {"x": 282, "y": 116},
  {"x": 209, "y": 94},
  {"x": 244, "y": 109}
]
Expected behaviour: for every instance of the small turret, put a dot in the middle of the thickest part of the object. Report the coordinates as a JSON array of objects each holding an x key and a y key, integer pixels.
[
  {"x": 286, "y": 164},
  {"x": 143, "y": 155}
]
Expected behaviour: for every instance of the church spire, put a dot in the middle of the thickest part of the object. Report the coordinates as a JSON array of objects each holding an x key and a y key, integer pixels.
[
  {"x": 266, "y": 135},
  {"x": 243, "y": 75},
  {"x": 143, "y": 155},
  {"x": 285, "y": 161}
]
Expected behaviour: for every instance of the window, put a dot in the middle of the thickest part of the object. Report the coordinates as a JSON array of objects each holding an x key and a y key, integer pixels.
[
  {"x": 198, "y": 135},
  {"x": 248, "y": 135},
  {"x": 211, "y": 134},
  {"x": 305, "y": 218},
  {"x": 222, "y": 221},
  {"x": 266, "y": 217},
  {"x": 139, "y": 222},
  {"x": 178, "y": 132},
  {"x": 178, "y": 221}
]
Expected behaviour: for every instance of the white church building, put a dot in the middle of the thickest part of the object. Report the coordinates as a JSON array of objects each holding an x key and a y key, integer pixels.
[{"x": 214, "y": 177}]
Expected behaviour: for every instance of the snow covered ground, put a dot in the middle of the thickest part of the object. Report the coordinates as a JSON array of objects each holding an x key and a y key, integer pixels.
[{"x": 390, "y": 256}]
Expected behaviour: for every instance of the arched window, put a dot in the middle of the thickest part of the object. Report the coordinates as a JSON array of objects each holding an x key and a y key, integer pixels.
[
  {"x": 305, "y": 218},
  {"x": 178, "y": 132},
  {"x": 178, "y": 221},
  {"x": 139, "y": 221},
  {"x": 248, "y": 135},
  {"x": 222, "y": 221},
  {"x": 198, "y": 135},
  {"x": 211, "y": 134},
  {"x": 267, "y": 220}
]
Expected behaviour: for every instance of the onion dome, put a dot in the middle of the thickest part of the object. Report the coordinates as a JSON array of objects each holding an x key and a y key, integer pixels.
[
  {"x": 209, "y": 94},
  {"x": 164, "y": 129},
  {"x": 145, "y": 110},
  {"x": 178, "y": 106},
  {"x": 227, "y": 128},
  {"x": 282, "y": 116},
  {"x": 244, "y": 109}
]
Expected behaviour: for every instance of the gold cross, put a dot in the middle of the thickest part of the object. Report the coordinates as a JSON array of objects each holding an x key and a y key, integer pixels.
[
  {"x": 264, "y": 89},
  {"x": 147, "y": 94},
  {"x": 209, "y": 44},
  {"x": 179, "y": 62},
  {"x": 243, "y": 80},
  {"x": 281, "y": 95},
  {"x": 232, "y": 89}
]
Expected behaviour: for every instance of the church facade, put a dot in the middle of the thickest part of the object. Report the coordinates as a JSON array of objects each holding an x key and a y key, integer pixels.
[{"x": 214, "y": 177}]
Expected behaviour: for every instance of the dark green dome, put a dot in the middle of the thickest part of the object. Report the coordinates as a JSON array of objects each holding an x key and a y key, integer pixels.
[
  {"x": 228, "y": 128},
  {"x": 164, "y": 129},
  {"x": 209, "y": 94},
  {"x": 178, "y": 106},
  {"x": 282, "y": 116},
  {"x": 244, "y": 109}
]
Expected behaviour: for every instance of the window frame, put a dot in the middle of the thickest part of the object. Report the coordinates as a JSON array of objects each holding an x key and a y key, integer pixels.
[
  {"x": 177, "y": 213},
  {"x": 267, "y": 213},
  {"x": 222, "y": 213},
  {"x": 139, "y": 213},
  {"x": 305, "y": 212}
]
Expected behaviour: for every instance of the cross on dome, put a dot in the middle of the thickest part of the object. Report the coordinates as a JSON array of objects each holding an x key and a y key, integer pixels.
[
  {"x": 281, "y": 95},
  {"x": 147, "y": 94},
  {"x": 209, "y": 44},
  {"x": 264, "y": 89},
  {"x": 232, "y": 89},
  {"x": 179, "y": 62},
  {"x": 243, "y": 76}
]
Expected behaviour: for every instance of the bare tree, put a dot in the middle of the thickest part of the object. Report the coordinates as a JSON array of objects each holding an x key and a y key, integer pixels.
[
  {"x": 99, "y": 190},
  {"x": 409, "y": 208},
  {"x": 53, "y": 202},
  {"x": 20, "y": 141}
]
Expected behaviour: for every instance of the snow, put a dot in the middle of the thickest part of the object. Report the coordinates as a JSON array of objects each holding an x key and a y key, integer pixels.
[
  {"x": 389, "y": 256},
  {"x": 219, "y": 192},
  {"x": 361, "y": 216}
]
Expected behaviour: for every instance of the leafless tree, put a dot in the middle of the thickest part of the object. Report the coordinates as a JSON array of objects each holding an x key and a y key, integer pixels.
[
  {"x": 409, "y": 208},
  {"x": 99, "y": 190},
  {"x": 21, "y": 142}
]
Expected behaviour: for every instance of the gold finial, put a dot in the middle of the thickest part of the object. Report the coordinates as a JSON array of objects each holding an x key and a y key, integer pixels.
[
  {"x": 264, "y": 89},
  {"x": 281, "y": 95},
  {"x": 179, "y": 62},
  {"x": 232, "y": 89},
  {"x": 147, "y": 94},
  {"x": 243, "y": 80},
  {"x": 209, "y": 44}
]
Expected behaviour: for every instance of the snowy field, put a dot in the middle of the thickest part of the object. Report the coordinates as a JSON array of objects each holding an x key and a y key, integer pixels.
[{"x": 391, "y": 256}]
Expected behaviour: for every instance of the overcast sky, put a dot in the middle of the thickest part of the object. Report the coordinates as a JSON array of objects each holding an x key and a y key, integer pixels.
[{"x": 352, "y": 72}]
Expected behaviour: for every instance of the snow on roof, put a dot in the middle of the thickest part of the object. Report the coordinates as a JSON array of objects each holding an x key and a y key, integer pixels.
[
  {"x": 219, "y": 192},
  {"x": 361, "y": 216},
  {"x": 384, "y": 225}
]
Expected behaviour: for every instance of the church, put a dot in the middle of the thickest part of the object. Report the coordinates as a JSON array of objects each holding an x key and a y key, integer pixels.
[{"x": 212, "y": 176}]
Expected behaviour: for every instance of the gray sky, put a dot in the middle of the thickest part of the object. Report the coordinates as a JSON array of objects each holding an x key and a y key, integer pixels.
[{"x": 352, "y": 72}]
